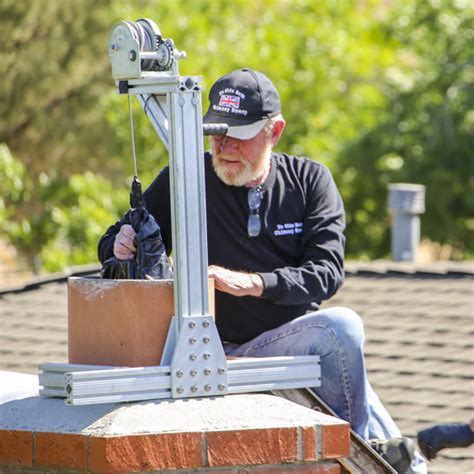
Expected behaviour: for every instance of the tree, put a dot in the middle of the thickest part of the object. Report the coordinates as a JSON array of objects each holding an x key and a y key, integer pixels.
[
  {"x": 379, "y": 91},
  {"x": 423, "y": 134},
  {"x": 54, "y": 72},
  {"x": 69, "y": 216}
]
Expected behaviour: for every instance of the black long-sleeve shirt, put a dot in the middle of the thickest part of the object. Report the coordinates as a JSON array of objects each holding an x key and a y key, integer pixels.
[{"x": 299, "y": 252}]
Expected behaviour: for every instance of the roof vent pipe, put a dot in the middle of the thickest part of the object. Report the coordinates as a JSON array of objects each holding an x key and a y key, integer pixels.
[{"x": 406, "y": 202}]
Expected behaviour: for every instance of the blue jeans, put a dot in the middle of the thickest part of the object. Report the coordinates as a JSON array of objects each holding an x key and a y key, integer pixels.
[{"x": 337, "y": 336}]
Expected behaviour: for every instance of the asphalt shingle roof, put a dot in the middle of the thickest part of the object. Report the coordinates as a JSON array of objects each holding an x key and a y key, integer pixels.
[{"x": 419, "y": 325}]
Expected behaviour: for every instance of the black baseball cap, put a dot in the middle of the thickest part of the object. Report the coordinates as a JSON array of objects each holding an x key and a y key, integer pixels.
[{"x": 243, "y": 99}]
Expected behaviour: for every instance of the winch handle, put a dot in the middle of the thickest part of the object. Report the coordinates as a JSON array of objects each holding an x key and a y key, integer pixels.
[{"x": 215, "y": 128}]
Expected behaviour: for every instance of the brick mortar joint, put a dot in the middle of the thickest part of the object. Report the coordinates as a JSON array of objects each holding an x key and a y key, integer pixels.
[
  {"x": 204, "y": 469},
  {"x": 318, "y": 441},
  {"x": 33, "y": 448},
  {"x": 89, "y": 449},
  {"x": 204, "y": 456},
  {"x": 299, "y": 444}
]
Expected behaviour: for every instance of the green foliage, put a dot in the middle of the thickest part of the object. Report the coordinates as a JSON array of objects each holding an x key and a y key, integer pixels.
[
  {"x": 55, "y": 221},
  {"x": 12, "y": 174},
  {"x": 54, "y": 70},
  {"x": 423, "y": 133},
  {"x": 82, "y": 207},
  {"x": 379, "y": 91}
]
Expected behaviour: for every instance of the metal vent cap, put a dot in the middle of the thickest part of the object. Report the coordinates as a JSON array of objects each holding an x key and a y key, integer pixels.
[{"x": 406, "y": 197}]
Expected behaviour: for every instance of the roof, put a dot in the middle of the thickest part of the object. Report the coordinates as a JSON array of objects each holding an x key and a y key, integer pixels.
[{"x": 419, "y": 325}]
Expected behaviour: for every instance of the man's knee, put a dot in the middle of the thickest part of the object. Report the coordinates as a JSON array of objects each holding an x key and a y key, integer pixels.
[{"x": 344, "y": 323}]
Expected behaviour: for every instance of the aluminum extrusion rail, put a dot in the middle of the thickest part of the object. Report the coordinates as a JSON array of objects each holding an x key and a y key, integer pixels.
[{"x": 86, "y": 384}]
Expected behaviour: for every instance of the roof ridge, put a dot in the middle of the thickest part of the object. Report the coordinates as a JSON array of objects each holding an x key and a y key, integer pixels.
[
  {"x": 57, "y": 277},
  {"x": 387, "y": 267},
  {"x": 352, "y": 267}
]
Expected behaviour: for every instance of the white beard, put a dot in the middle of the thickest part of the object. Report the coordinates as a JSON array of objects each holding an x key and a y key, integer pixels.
[{"x": 249, "y": 172}]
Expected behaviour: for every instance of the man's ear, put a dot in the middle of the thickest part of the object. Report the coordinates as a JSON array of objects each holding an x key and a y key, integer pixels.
[{"x": 277, "y": 131}]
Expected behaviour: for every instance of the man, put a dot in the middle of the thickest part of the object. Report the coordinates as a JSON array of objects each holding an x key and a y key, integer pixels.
[{"x": 275, "y": 242}]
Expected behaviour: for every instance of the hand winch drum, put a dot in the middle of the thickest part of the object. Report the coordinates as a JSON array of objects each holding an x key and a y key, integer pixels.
[
  {"x": 157, "y": 54},
  {"x": 143, "y": 33}
]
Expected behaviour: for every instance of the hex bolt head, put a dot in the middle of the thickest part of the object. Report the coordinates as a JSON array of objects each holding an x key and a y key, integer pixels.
[
  {"x": 221, "y": 370},
  {"x": 192, "y": 341},
  {"x": 194, "y": 388},
  {"x": 179, "y": 373},
  {"x": 207, "y": 355},
  {"x": 206, "y": 339},
  {"x": 207, "y": 388},
  {"x": 221, "y": 387},
  {"x": 193, "y": 356},
  {"x": 192, "y": 325},
  {"x": 180, "y": 389},
  {"x": 193, "y": 372},
  {"x": 207, "y": 371},
  {"x": 205, "y": 324}
]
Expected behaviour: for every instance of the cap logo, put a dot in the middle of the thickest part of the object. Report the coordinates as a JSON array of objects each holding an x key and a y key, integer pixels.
[{"x": 229, "y": 101}]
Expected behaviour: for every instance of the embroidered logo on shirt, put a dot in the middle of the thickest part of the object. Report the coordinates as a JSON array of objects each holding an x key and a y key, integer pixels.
[{"x": 290, "y": 228}]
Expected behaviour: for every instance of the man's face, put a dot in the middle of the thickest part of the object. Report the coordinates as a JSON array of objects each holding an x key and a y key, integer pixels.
[{"x": 239, "y": 162}]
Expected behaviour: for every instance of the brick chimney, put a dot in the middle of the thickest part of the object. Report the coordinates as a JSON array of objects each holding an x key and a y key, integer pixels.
[{"x": 256, "y": 433}]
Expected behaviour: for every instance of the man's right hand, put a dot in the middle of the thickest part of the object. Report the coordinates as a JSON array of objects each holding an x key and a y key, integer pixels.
[{"x": 124, "y": 248}]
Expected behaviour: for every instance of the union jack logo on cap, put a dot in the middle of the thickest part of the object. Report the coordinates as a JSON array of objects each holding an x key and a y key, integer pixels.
[{"x": 229, "y": 101}]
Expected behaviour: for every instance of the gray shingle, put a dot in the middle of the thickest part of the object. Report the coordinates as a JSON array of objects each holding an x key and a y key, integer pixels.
[{"x": 419, "y": 347}]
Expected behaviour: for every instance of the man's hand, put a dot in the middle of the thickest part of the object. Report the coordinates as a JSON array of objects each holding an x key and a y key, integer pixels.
[
  {"x": 236, "y": 283},
  {"x": 124, "y": 248}
]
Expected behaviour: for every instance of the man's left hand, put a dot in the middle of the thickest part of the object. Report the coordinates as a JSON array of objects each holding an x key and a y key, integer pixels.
[{"x": 236, "y": 283}]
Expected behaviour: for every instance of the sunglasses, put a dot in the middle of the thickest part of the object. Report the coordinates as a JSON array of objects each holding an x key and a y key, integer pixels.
[{"x": 254, "y": 225}]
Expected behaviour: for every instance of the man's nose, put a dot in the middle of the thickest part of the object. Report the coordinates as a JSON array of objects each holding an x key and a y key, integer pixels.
[{"x": 229, "y": 143}]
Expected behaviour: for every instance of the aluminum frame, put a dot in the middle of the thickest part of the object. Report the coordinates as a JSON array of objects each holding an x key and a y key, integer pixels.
[
  {"x": 89, "y": 384},
  {"x": 174, "y": 106},
  {"x": 194, "y": 363}
]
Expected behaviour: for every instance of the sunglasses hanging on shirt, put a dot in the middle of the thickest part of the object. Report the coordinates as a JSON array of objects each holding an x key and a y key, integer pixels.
[{"x": 254, "y": 225}]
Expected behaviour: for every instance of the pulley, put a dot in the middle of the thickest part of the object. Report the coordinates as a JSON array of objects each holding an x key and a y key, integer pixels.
[{"x": 138, "y": 47}]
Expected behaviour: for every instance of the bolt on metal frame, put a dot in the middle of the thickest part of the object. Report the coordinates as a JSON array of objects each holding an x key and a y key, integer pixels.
[{"x": 194, "y": 363}]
